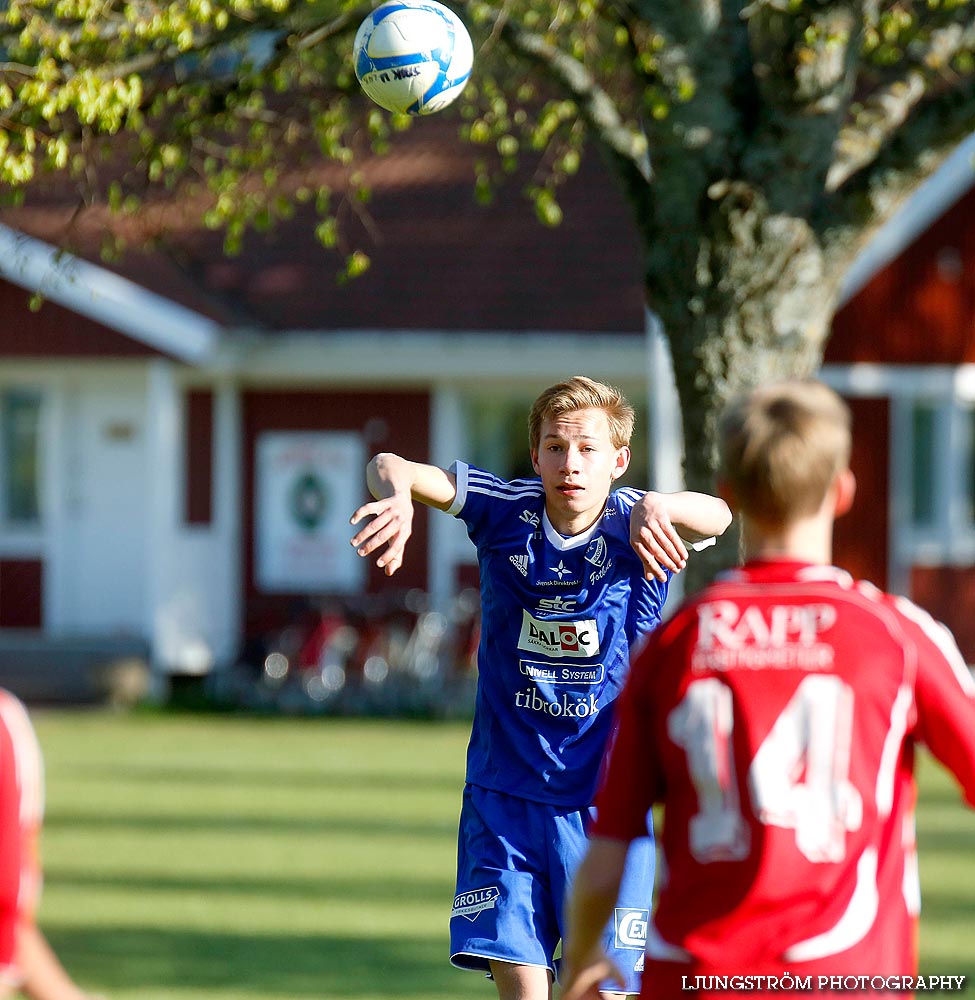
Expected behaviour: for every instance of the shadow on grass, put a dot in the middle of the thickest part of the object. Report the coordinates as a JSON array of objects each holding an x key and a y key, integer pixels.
[
  {"x": 933, "y": 842},
  {"x": 941, "y": 905},
  {"x": 151, "y": 959},
  {"x": 389, "y": 889},
  {"x": 950, "y": 966},
  {"x": 126, "y": 958},
  {"x": 321, "y": 781},
  {"x": 360, "y": 826}
]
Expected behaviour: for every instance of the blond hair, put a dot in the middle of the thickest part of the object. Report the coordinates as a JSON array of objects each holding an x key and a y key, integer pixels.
[
  {"x": 582, "y": 393},
  {"x": 782, "y": 447}
]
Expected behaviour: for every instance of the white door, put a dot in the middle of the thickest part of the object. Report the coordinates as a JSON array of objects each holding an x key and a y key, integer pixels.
[{"x": 105, "y": 507}]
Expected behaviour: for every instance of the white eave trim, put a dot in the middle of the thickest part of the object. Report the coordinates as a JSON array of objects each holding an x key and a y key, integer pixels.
[
  {"x": 417, "y": 356},
  {"x": 867, "y": 379},
  {"x": 107, "y": 298},
  {"x": 929, "y": 202}
]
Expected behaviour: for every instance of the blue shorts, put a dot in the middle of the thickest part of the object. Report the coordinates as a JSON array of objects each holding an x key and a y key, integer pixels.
[{"x": 515, "y": 861}]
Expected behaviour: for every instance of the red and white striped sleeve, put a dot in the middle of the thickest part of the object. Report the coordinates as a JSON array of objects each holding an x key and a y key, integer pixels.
[
  {"x": 944, "y": 694},
  {"x": 21, "y": 815}
]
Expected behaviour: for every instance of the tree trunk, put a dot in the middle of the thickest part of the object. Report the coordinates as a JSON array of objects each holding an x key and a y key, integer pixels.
[{"x": 759, "y": 310}]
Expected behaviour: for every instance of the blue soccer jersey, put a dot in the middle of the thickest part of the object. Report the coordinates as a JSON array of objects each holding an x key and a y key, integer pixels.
[{"x": 558, "y": 617}]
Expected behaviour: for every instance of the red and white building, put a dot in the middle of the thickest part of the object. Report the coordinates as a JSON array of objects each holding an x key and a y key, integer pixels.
[{"x": 182, "y": 434}]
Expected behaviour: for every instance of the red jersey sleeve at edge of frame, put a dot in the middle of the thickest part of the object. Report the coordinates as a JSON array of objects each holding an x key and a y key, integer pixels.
[
  {"x": 944, "y": 694},
  {"x": 21, "y": 808}
]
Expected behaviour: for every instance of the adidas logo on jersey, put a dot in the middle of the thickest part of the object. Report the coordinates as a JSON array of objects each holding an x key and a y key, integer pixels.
[{"x": 520, "y": 563}]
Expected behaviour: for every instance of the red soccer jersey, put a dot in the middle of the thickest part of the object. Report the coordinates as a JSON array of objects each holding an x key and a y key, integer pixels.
[
  {"x": 775, "y": 718},
  {"x": 21, "y": 809}
]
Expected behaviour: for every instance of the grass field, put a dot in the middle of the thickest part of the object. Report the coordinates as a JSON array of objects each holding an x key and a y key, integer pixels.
[{"x": 193, "y": 856}]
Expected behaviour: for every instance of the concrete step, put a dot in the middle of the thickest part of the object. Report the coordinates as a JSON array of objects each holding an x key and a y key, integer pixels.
[{"x": 80, "y": 669}]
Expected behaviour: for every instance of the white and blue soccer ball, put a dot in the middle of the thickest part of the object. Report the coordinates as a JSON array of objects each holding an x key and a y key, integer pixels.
[{"x": 413, "y": 56}]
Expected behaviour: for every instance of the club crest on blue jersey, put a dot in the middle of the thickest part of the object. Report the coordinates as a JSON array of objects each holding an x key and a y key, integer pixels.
[
  {"x": 596, "y": 552},
  {"x": 597, "y": 555}
]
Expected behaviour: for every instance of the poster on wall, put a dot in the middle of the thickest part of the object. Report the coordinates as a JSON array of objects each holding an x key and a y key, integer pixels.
[{"x": 308, "y": 484}]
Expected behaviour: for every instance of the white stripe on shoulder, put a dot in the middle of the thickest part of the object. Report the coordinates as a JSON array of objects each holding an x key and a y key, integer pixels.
[
  {"x": 830, "y": 574},
  {"x": 514, "y": 498},
  {"x": 515, "y": 485},
  {"x": 942, "y": 638},
  {"x": 491, "y": 486},
  {"x": 27, "y": 758},
  {"x": 535, "y": 484},
  {"x": 630, "y": 494}
]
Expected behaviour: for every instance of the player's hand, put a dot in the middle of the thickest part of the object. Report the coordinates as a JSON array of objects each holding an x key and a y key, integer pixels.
[
  {"x": 391, "y": 525},
  {"x": 584, "y": 983},
  {"x": 654, "y": 538}
]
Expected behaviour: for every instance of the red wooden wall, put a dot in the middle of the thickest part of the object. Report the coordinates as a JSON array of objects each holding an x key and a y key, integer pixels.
[{"x": 397, "y": 421}]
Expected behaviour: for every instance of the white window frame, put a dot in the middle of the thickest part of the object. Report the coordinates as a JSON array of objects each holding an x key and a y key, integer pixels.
[
  {"x": 950, "y": 541},
  {"x": 28, "y": 532}
]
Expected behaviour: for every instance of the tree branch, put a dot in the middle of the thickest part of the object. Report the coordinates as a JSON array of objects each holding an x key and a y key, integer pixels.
[
  {"x": 627, "y": 145},
  {"x": 803, "y": 72},
  {"x": 874, "y": 194},
  {"x": 884, "y": 113},
  {"x": 685, "y": 21},
  {"x": 859, "y": 142},
  {"x": 349, "y": 19}
]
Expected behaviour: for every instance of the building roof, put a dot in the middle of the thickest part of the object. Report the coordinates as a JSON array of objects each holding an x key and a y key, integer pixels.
[
  {"x": 919, "y": 308},
  {"x": 443, "y": 263},
  {"x": 440, "y": 261}
]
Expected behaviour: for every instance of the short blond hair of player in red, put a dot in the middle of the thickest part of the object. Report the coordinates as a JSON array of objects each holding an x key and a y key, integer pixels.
[{"x": 782, "y": 448}]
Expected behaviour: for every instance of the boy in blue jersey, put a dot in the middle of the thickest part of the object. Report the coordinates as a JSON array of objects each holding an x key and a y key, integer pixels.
[{"x": 572, "y": 575}]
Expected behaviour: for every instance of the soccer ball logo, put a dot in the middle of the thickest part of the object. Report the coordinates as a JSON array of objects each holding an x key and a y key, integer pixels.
[{"x": 413, "y": 57}]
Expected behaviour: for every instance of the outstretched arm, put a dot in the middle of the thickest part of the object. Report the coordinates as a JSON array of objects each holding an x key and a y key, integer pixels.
[
  {"x": 594, "y": 892},
  {"x": 662, "y": 523},
  {"x": 396, "y": 482}
]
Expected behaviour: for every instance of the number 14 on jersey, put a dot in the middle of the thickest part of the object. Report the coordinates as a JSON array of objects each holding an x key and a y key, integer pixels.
[{"x": 798, "y": 778}]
